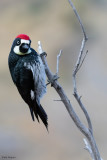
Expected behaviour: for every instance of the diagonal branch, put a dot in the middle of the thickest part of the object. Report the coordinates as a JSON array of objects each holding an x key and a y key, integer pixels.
[
  {"x": 69, "y": 107},
  {"x": 62, "y": 94},
  {"x": 58, "y": 57},
  {"x": 79, "y": 19},
  {"x": 82, "y": 60},
  {"x": 88, "y": 132},
  {"x": 76, "y": 69},
  {"x": 93, "y": 147},
  {"x": 88, "y": 148},
  {"x": 78, "y": 65}
]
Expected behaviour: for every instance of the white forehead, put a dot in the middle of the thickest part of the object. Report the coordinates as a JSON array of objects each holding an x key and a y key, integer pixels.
[{"x": 25, "y": 41}]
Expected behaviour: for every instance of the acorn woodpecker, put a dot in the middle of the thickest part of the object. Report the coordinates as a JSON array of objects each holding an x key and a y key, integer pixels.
[{"x": 28, "y": 74}]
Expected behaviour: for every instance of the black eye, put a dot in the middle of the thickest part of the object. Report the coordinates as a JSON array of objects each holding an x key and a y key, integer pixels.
[{"x": 18, "y": 42}]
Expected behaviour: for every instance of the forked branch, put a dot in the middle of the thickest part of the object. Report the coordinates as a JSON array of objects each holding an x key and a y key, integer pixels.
[
  {"x": 88, "y": 132},
  {"x": 78, "y": 65}
]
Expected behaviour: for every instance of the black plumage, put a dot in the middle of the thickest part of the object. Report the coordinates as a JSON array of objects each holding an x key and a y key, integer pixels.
[{"x": 27, "y": 73}]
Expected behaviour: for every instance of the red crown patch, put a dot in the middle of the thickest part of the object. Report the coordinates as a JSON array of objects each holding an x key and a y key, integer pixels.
[{"x": 23, "y": 36}]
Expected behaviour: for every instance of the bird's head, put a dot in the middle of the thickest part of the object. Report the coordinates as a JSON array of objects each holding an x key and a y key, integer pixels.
[{"x": 21, "y": 45}]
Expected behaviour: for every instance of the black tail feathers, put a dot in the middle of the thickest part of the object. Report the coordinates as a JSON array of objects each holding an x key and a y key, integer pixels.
[
  {"x": 42, "y": 114},
  {"x": 39, "y": 112}
]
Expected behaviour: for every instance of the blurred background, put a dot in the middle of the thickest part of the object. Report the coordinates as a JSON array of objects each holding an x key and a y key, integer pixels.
[{"x": 55, "y": 25}]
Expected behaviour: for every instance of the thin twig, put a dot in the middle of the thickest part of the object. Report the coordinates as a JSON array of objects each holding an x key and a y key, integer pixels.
[
  {"x": 85, "y": 111},
  {"x": 87, "y": 132},
  {"x": 88, "y": 148},
  {"x": 82, "y": 61},
  {"x": 70, "y": 109},
  {"x": 79, "y": 57},
  {"x": 58, "y": 57},
  {"x": 64, "y": 97},
  {"x": 79, "y": 19},
  {"x": 40, "y": 50},
  {"x": 78, "y": 65}
]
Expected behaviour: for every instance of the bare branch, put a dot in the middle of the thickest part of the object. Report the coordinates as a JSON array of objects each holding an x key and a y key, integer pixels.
[
  {"x": 79, "y": 19},
  {"x": 77, "y": 67},
  {"x": 58, "y": 58},
  {"x": 40, "y": 50},
  {"x": 88, "y": 132},
  {"x": 63, "y": 97},
  {"x": 70, "y": 109},
  {"x": 78, "y": 63},
  {"x": 95, "y": 153},
  {"x": 84, "y": 110},
  {"x": 88, "y": 148},
  {"x": 82, "y": 60}
]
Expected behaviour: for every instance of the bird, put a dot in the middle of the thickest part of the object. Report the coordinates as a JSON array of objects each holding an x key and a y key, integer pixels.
[{"x": 28, "y": 74}]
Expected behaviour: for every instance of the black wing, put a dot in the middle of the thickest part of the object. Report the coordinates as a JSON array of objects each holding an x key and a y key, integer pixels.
[{"x": 24, "y": 81}]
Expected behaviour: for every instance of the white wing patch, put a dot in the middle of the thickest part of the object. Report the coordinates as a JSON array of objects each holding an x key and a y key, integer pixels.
[
  {"x": 32, "y": 95},
  {"x": 39, "y": 77}
]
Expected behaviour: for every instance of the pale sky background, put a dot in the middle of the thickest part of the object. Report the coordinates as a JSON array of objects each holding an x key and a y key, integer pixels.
[{"x": 55, "y": 25}]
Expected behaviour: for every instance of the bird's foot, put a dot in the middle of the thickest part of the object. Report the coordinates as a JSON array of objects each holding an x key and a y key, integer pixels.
[
  {"x": 43, "y": 54},
  {"x": 55, "y": 77}
]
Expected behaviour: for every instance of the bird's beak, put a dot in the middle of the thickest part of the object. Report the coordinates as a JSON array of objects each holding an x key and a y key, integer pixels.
[{"x": 24, "y": 48}]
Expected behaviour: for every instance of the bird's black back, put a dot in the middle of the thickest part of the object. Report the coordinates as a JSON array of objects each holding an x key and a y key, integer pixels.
[{"x": 23, "y": 79}]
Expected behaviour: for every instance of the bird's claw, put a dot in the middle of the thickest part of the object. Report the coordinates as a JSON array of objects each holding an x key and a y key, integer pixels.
[{"x": 43, "y": 54}]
